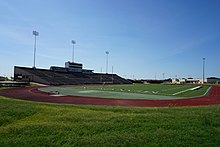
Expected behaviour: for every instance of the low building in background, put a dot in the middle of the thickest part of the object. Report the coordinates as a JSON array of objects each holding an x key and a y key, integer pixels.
[
  {"x": 213, "y": 80},
  {"x": 188, "y": 81}
]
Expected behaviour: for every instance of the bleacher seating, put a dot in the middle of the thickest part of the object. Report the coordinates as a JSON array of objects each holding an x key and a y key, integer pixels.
[{"x": 50, "y": 77}]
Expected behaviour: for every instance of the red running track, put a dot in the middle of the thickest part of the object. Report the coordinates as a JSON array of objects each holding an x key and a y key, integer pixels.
[{"x": 33, "y": 94}]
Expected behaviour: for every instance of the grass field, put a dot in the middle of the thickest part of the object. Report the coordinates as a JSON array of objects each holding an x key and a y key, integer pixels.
[
  {"x": 157, "y": 89},
  {"x": 136, "y": 91},
  {"x": 24, "y": 123}
]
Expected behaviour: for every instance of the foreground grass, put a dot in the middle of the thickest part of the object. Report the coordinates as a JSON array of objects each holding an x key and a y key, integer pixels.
[{"x": 25, "y": 123}]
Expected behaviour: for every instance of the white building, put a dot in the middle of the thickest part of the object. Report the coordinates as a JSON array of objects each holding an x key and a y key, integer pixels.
[{"x": 188, "y": 81}]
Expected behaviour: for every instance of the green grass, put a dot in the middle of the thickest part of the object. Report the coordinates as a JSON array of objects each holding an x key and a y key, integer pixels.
[
  {"x": 105, "y": 94},
  {"x": 24, "y": 123},
  {"x": 147, "y": 89}
]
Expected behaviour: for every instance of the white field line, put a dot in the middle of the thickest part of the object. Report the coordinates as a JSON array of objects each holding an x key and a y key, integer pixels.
[
  {"x": 181, "y": 92},
  {"x": 208, "y": 90},
  {"x": 57, "y": 95},
  {"x": 194, "y": 88}
]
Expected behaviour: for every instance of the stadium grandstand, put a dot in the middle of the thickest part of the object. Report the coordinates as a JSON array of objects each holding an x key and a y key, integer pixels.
[{"x": 72, "y": 74}]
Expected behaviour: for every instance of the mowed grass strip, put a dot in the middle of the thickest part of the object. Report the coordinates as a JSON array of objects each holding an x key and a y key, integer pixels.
[
  {"x": 152, "y": 89},
  {"x": 25, "y": 123}
]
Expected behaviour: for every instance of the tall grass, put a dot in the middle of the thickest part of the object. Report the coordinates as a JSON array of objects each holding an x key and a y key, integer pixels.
[{"x": 24, "y": 123}]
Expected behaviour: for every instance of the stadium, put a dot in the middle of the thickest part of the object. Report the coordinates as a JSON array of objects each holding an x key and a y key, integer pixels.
[
  {"x": 85, "y": 108},
  {"x": 83, "y": 86},
  {"x": 59, "y": 100},
  {"x": 72, "y": 84},
  {"x": 108, "y": 89},
  {"x": 163, "y": 88}
]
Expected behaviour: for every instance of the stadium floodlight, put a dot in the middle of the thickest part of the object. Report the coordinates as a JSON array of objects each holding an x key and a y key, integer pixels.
[
  {"x": 35, "y": 33},
  {"x": 73, "y": 42},
  {"x": 107, "y": 61},
  {"x": 112, "y": 75},
  {"x": 203, "y": 71}
]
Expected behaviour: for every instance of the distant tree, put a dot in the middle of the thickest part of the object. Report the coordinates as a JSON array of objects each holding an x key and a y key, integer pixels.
[
  {"x": 1, "y": 78},
  {"x": 4, "y": 78}
]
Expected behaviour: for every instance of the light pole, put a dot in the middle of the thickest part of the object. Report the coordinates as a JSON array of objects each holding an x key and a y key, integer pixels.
[
  {"x": 35, "y": 33},
  {"x": 203, "y": 71},
  {"x": 112, "y": 76},
  {"x": 73, "y": 42},
  {"x": 107, "y": 61}
]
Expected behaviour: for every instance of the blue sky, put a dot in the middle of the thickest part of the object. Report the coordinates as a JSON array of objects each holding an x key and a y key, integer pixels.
[{"x": 144, "y": 37}]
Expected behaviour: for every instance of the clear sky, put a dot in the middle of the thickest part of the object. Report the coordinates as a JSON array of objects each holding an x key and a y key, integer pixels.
[{"x": 144, "y": 37}]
